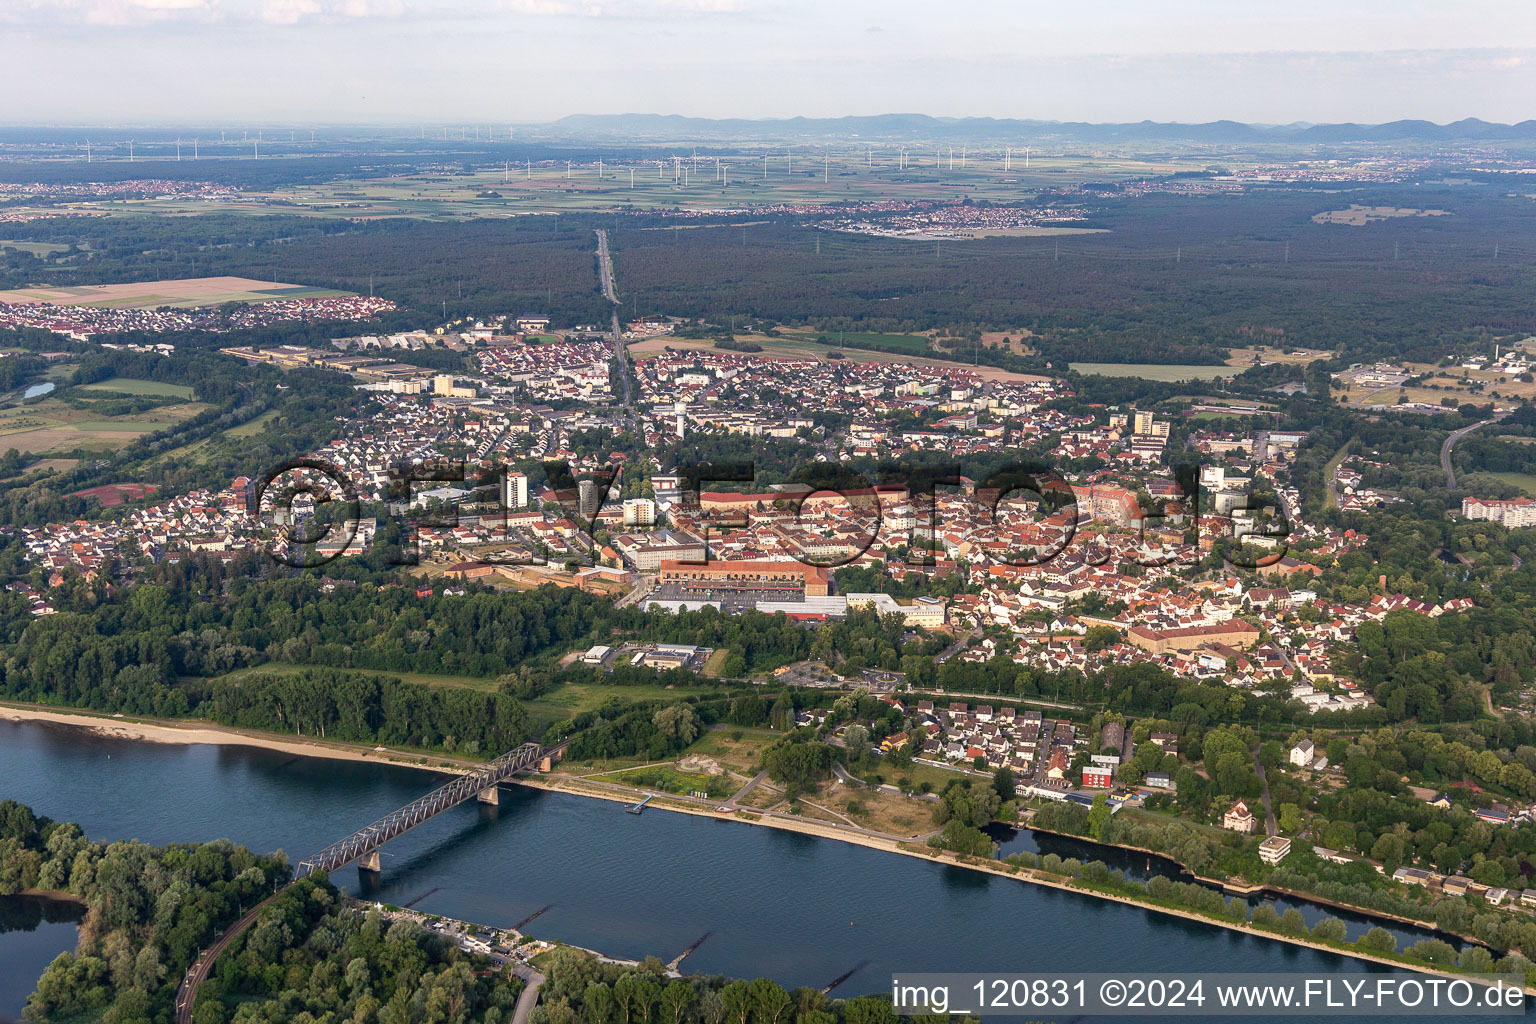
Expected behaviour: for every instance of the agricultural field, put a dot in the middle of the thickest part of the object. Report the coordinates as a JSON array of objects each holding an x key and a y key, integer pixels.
[
  {"x": 51, "y": 425},
  {"x": 1152, "y": 371},
  {"x": 35, "y": 248},
  {"x": 847, "y": 174},
  {"x": 188, "y": 293},
  {"x": 1358, "y": 216},
  {"x": 112, "y": 495},
  {"x": 135, "y": 386}
]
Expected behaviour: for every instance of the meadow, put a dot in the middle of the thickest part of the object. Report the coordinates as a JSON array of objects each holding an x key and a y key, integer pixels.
[
  {"x": 136, "y": 386},
  {"x": 52, "y": 425},
  {"x": 1153, "y": 371},
  {"x": 186, "y": 293}
]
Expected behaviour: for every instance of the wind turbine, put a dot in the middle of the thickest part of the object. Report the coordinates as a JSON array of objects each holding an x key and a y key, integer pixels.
[
  {"x": 87, "y": 150},
  {"x": 194, "y": 149},
  {"x": 130, "y": 151},
  {"x": 178, "y": 149}
]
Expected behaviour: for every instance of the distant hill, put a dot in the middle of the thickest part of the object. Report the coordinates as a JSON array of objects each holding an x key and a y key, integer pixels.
[{"x": 897, "y": 127}]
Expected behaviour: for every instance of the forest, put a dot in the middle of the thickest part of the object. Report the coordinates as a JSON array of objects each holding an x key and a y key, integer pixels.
[
  {"x": 1177, "y": 279},
  {"x": 580, "y": 990},
  {"x": 149, "y": 910},
  {"x": 475, "y": 268}
]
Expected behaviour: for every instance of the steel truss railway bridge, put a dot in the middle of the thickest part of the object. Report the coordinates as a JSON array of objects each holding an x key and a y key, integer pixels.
[{"x": 363, "y": 846}]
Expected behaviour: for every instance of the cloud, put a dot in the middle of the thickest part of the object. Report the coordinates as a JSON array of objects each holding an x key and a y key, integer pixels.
[{"x": 43, "y": 15}]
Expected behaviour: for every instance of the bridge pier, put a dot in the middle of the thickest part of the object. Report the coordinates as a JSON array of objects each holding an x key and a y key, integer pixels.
[
  {"x": 490, "y": 795},
  {"x": 369, "y": 862}
]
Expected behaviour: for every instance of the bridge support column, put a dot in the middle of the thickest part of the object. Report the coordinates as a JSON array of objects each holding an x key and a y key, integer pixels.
[
  {"x": 369, "y": 862},
  {"x": 490, "y": 795}
]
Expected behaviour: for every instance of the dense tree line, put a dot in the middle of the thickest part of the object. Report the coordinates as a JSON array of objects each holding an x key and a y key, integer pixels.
[
  {"x": 149, "y": 910},
  {"x": 581, "y": 990},
  {"x": 313, "y": 957}
]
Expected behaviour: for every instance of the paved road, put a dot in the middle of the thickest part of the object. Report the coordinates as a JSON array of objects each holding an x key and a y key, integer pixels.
[
  {"x": 753, "y": 783},
  {"x": 956, "y": 647},
  {"x": 529, "y": 995},
  {"x": 610, "y": 292},
  {"x": 1445, "y": 449},
  {"x": 1270, "y": 828}
]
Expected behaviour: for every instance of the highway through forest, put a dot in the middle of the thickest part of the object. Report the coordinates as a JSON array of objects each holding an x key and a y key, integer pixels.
[{"x": 1450, "y": 442}]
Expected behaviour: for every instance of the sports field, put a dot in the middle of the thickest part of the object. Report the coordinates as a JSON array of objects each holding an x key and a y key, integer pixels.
[{"x": 187, "y": 293}]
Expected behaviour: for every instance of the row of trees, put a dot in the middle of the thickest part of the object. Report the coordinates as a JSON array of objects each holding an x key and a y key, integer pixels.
[{"x": 581, "y": 990}]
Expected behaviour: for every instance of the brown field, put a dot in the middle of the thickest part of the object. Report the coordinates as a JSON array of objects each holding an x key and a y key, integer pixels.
[
  {"x": 187, "y": 293},
  {"x": 1359, "y": 216},
  {"x": 790, "y": 348},
  {"x": 885, "y": 812},
  {"x": 1270, "y": 354},
  {"x": 49, "y": 465},
  {"x": 112, "y": 495},
  {"x": 1016, "y": 343}
]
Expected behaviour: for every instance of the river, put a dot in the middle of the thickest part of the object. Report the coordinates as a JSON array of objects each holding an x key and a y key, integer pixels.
[{"x": 800, "y": 909}]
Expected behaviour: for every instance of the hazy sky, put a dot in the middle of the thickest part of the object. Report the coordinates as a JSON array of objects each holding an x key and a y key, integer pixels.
[{"x": 499, "y": 61}]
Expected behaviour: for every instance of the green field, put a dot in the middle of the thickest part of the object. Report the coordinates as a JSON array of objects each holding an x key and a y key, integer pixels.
[
  {"x": 136, "y": 386},
  {"x": 570, "y": 699},
  {"x": 252, "y": 427},
  {"x": 1153, "y": 371},
  {"x": 35, "y": 248},
  {"x": 916, "y": 344},
  {"x": 854, "y": 173},
  {"x": 574, "y": 698},
  {"x": 1525, "y": 481}
]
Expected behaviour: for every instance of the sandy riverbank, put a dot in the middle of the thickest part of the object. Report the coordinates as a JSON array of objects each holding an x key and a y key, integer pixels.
[
  {"x": 159, "y": 732},
  {"x": 146, "y": 731}
]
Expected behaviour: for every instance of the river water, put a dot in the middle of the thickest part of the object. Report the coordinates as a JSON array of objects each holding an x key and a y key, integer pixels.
[{"x": 799, "y": 909}]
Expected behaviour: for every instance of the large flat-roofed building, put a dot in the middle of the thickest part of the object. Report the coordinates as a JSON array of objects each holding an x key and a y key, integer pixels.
[
  {"x": 745, "y": 576},
  {"x": 1232, "y": 633},
  {"x": 648, "y": 551},
  {"x": 926, "y": 612},
  {"x": 1514, "y": 513}
]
